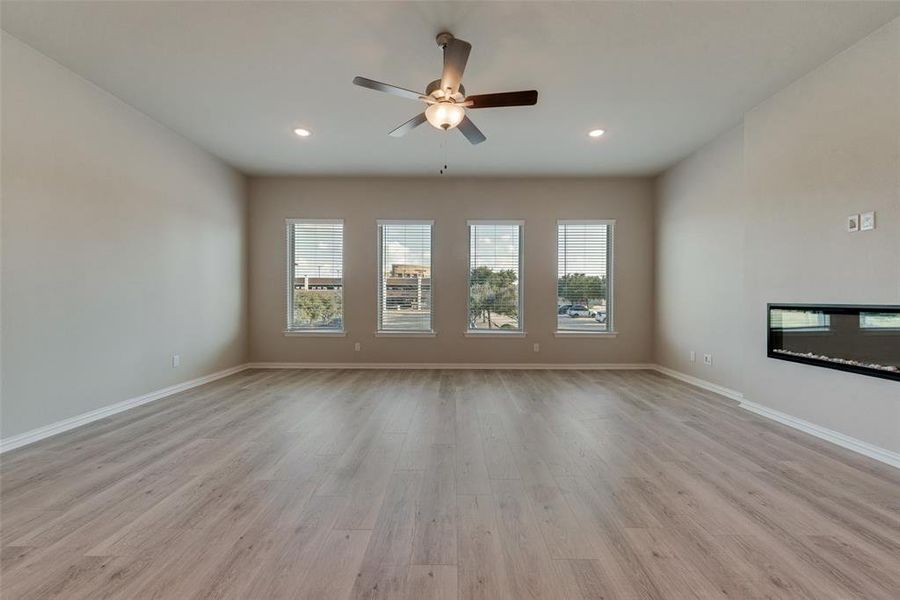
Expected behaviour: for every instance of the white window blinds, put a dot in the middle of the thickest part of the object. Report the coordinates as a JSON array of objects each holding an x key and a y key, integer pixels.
[
  {"x": 584, "y": 254},
  {"x": 315, "y": 274},
  {"x": 495, "y": 275},
  {"x": 404, "y": 287}
]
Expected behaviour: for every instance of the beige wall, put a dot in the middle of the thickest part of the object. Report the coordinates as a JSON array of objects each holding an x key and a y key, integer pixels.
[
  {"x": 121, "y": 245},
  {"x": 699, "y": 262},
  {"x": 450, "y": 202},
  {"x": 781, "y": 188}
]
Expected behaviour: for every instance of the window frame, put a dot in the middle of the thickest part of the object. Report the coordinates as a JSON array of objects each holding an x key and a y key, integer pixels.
[
  {"x": 610, "y": 278},
  {"x": 289, "y": 329},
  {"x": 379, "y": 332},
  {"x": 520, "y": 330}
]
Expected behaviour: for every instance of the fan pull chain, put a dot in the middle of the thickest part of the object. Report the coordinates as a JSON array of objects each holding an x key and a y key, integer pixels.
[{"x": 444, "y": 149}]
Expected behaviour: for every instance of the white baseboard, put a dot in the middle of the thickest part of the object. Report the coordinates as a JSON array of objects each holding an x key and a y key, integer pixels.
[
  {"x": 835, "y": 437},
  {"x": 481, "y": 366},
  {"x": 829, "y": 435},
  {"x": 29, "y": 437},
  {"x": 700, "y": 383}
]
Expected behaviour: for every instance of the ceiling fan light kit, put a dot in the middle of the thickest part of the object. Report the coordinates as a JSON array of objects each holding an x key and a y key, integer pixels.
[
  {"x": 445, "y": 115},
  {"x": 446, "y": 97}
]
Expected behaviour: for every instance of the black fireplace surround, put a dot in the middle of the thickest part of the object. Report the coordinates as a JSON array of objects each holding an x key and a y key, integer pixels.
[{"x": 858, "y": 338}]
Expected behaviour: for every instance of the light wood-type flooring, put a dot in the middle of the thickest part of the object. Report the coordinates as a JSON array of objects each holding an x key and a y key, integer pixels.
[{"x": 502, "y": 485}]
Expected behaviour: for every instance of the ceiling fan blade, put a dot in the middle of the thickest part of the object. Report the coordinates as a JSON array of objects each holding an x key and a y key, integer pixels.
[
  {"x": 456, "y": 54},
  {"x": 408, "y": 126},
  {"x": 386, "y": 87},
  {"x": 472, "y": 133},
  {"x": 524, "y": 98}
]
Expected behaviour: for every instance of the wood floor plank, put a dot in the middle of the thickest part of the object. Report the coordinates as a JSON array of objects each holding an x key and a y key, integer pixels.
[
  {"x": 531, "y": 571},
  {"x": 383, "y": 571},
  {"x": 618, "y": 571},
  {"x": 471, "y": 470},
  {"x": 672, "y": 575},
  {"x": 498, "y": 457},
  {"x": 369, "y": 483},
  {"x": 335, "y": 568},
  {"x": 593, "y": 581},
  {"x": 564, "y": 535},
  {"x": 482, "y": 574},
  {"x": 772, "y": 573},
  {"x": 431, "y": 582},
  {"x": 434, "y": 540}
]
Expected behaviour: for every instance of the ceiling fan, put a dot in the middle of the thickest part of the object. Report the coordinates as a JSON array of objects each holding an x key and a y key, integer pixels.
[{"x": 446, "y": 97}]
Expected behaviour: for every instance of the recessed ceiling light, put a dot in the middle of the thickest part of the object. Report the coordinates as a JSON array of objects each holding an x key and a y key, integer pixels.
[
  {"x": 303, "y": 132},
  {"x": 596, "y": 132}
]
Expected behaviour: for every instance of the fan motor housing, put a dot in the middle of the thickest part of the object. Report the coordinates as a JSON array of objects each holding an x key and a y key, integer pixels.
[
  {"x": 443, "y": 38},
  {"x": 434, "y": 90}
]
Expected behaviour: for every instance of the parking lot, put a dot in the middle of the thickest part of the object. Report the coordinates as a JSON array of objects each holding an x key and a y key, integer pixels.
[{"x": 586, "y": 324}]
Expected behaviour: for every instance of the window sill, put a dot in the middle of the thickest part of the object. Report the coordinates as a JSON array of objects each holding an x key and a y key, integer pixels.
[
  {"x": 494, "y": 333},
  {"x": 585, "y": 334},
  {"x": 405, "y": 334},
  {"x": 314, "y": 333}
]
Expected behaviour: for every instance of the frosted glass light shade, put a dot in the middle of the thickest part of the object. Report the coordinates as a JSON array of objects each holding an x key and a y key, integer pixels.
[{"x": 445, "y": 115}]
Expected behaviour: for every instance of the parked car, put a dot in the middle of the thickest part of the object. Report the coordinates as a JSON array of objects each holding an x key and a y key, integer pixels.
[
  {"x": 564, "y": 309},
  {"x": 579, "y": 310},
  {"x": 600, "y": 317}
]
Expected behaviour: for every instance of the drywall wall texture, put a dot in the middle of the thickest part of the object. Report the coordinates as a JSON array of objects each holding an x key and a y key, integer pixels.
[
  {"x": 122, "y": 244},
  {"x": 450, "y": 203},
  {"x": 825, "y": 147},
  {"x": 699, "y": 262}
]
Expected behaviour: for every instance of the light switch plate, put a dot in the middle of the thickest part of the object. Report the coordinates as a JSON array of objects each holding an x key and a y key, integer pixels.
[
  {"x": 867, "y": 221},
  {"x": 853, "y": 223}
]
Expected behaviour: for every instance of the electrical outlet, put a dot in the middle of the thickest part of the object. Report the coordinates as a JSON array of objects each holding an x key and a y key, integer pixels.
[
  {"x": 707, "y": 359},
  {"x": 357, "y": 347},
  {"x": 693, "y": 356},
  {"x": 537, "y": 347},
  {"x": 176, "y": 360}
]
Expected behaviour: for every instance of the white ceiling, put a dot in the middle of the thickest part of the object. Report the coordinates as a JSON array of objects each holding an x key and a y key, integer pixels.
[{"x": 236, "y": 78}]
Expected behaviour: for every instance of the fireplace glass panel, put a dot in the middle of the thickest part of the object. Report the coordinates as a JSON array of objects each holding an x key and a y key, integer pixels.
[{"x": 861, "y": 339}]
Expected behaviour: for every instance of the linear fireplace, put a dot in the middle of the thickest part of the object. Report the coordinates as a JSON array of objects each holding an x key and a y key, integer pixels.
[{"x": 857, "y": 338}]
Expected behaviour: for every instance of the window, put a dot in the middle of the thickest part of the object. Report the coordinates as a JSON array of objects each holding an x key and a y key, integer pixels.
[
  {"x": 315, "y": 275},
  {"x": 404, "y": 272},
  {"x": 584, "y": 282},
  {"x": 495, "y": 276}
]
